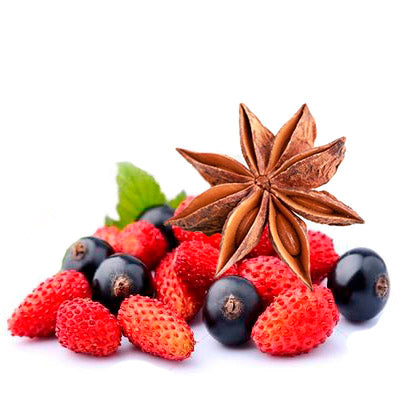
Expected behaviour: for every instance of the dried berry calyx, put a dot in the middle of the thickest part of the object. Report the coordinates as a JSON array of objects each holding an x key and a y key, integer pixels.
[{"x": 282, "y": 172}]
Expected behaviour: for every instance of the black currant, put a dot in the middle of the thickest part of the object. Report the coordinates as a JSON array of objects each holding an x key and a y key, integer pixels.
[
  {"x": 118, "y": 277},
  {"x": 157, "y": 216},
  {"x": 86, "y": 254},
  {"x": 360, "y": 284},
  {"x": 231, "y": 308}
]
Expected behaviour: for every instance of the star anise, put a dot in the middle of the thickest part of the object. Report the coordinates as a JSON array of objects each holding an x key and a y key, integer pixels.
[{"x": 282, "y": 172}]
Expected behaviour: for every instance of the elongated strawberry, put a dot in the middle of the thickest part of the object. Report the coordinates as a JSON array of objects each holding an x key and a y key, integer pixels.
[
  {"x": 269, "y": 275},
  {"x": 184, "y": 276},
  {"x": 110, "y": 234},
  {"x": 296, "y": 322},
  {"x": 155, "y": 329},
  {"x": 323, "y": 257},
  {"x": 172, "y": 292},
  {"x": 36, "y": 315},
  {"x": 84, "y": 326},
  {"x": 144, "y": 241},
  {"x": 195, "y": 264}
]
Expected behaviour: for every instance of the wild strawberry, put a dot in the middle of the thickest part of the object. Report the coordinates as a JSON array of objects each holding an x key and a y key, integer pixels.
[
  {"x": 36, "y": 315},
  {"x": 195, "y": 264},
  {"x": 157, "y": 216},
  {"x": 296, "y": 322},
  {"x": 264, "y": 247},
  {"x": 110, "y": 234},
  {"x": 144, "y": 241},
  {"x": 155, "y": 329},
  {"x": 184, "y": 276},
  {"x": 323, "y": 258},
  {"x": 232, "y": 271},
  {"x": 172, "y": 292},
  {"x": 269, "y": 275},
  {"x": 183, "y": 235},
  {"x": 88, "y": 327}
]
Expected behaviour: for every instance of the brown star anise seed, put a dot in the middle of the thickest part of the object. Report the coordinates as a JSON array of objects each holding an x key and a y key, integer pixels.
[{"x": 282, "y": 172}]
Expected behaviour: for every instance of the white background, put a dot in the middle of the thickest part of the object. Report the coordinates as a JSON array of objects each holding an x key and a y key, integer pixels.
[{"x": 84, "y": 85}]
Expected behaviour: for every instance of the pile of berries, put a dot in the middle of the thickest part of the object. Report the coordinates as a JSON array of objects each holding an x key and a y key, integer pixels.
[{"x": 148, "y": 281}]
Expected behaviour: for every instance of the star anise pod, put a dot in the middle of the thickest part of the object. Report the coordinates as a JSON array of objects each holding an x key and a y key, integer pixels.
[{"x": 282, "y": 172}]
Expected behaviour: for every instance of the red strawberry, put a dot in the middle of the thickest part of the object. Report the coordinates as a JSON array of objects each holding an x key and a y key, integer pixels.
[
  {"x": 110, "y": 234},
  {"x": 183, "y": 235},
  {"x": 88, "y": 327},
  {"x": 184, "y": 276},
  {"x": 269, "y": 275},
  {"x": 36, "y": 315},
  {"x": 264, "y": 247},
  {"x": 155, "y": 329},
  {"x": 233, "y": 270},
  {"x": 323, "y": 258},
  {"x": 195, "y": 265},
  {"x": 296, "y": 322},
  {"x": 172, "y": 292},
  {"x": 144, "y": 241}
]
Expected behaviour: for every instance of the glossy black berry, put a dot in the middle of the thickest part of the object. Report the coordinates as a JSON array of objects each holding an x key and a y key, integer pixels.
[
  {"x": 360, "y": 284},
  {"x": 157, "y": 216},
  {"x": 232, "y": 306},
  {"x": 118, "y": 277},
  {"x": 86, "y": 254}
]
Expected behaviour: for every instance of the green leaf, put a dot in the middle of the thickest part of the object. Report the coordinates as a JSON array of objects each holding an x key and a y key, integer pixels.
[
  {"x": 177, "y": 200},
  {"x": 137, "y": 191},
  {"x": 110, "y": 222}
]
